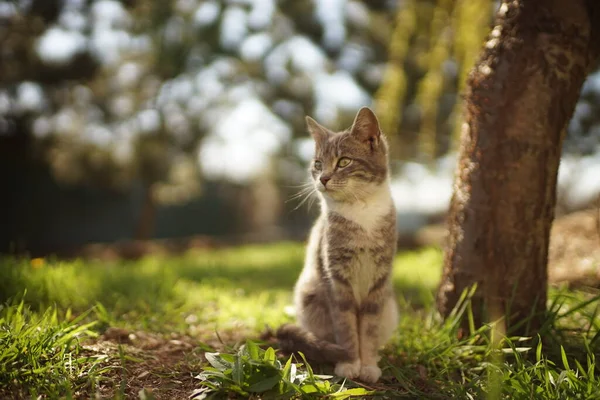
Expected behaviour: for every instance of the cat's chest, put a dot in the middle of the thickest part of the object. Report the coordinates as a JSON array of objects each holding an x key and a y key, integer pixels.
[
  {"x": 361, "y": 228},
  {"x": 367, "y": 219},
  {"x": 352, "y": 252},
  {"x": 358, "y": 237},
  {"x": 362, "y": 274}
]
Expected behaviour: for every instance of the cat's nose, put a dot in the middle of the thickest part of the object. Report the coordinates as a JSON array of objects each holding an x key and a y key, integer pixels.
[{"x": 324, "y": 180}]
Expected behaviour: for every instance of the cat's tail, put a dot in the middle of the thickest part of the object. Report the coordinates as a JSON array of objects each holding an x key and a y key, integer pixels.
[{"x": 294, "y": 339}]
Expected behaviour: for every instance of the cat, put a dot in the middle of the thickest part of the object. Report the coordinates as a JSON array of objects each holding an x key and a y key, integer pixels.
[{"x": 344, "y": 300}]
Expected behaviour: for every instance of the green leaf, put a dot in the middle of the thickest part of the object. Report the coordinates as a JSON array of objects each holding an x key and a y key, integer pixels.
[
  {"x": 270, "y": 356},
  {"x": 216, "y": 361},
  {"x": 309, "y": 370},
  {"x": 213, "y": 373},
  {"x": 351, "y": 392},
  {"x": 265, "y": 384},
  {"x": 286, "y": 369},
  {"x": 323, "y": 386},
  {"x": 309, "y": 388},
  {"x": 238, "y": 370},
  {"x": 252, "y": 350},
  {"x": 230, "y": 358},
  {"x": 563, "y": 355},
  {"x": 581, "y": 369}
]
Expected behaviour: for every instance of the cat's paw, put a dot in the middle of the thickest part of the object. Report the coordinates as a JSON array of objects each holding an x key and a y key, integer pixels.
[
  {"x": 370, "y": 373},
  {"x": 348, "y": 370}
]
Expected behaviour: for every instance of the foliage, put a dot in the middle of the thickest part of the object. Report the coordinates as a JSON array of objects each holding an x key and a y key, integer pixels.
[
  {"x": 254, "y": 370},
  {"x": 212, "y": 288},
  {"x": 168, "y": 73},
  {"x": 142, "y": 91},
  {"x": 40, "y": 353},
  {"x": 222, "y": 299}
]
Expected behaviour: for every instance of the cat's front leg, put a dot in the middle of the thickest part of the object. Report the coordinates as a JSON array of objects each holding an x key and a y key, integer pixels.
[
  {"x": 345, "y": 325},
  {"x": 374, "y": 329}
]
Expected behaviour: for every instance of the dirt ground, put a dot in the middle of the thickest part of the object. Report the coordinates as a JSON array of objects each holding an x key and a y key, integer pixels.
[
  {"x": 574, "y": 255},
  {"x": 162, "y": 366}
]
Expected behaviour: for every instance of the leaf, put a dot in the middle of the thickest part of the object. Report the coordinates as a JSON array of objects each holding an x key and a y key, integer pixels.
[
  {"x": 293, "y": 372},
  {"x": 323, "y": 386},
  {"x": 563, "y": 355},
  {"x": 516, "y": 350},
  {"x": 581, "y": 370},
  {"x": 202, "y": 376},
  {"x": 199, "y": 394},
  {"x": 265, "y": 384},
  {"x": 216, "y": 361},
  {"x": 252, "y": 350},
  {"x": 230, "y": 358},
  {"x": 551, "y": 378},
  {"x": 210, "y": 372},
  {"x": 351, "y": 392},
  {"x": 309, "y": 370},
  {"x": 270, "y": 356},
  {"x": 133, "y": 359},
  {"x": 286, "y": 369},
  {"x": 238, "y": 371},
  {"x": 309, "y": 388}
]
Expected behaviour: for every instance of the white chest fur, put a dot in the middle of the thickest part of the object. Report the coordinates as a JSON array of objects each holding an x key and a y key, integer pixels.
[{"x": 368, "y": 212}]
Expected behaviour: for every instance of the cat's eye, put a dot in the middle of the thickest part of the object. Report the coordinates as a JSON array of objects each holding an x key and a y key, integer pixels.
[
  {"x": 344, "y": 162},
  {"x": 318, "y": 165}
]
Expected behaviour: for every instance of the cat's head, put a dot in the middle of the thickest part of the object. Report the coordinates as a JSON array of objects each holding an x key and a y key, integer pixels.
[{"x": 349, "y": 165}]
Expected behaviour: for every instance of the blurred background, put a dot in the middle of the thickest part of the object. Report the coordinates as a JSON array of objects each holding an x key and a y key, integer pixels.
[{"x": 146, "y": 119}]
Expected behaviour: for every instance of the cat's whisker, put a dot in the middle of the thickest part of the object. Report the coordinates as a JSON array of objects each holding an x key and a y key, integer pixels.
[
  {"x": 308, "y": 196},
  {"x": 301, "y": 193},
  {"x": 305, "y": 188},
  {"x": 304, "y": 185}
]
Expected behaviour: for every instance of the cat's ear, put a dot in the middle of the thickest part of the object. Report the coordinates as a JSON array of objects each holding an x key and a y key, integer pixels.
[
  {"x": 366, "y": 127},
  {"x": 318, "y": 132}
]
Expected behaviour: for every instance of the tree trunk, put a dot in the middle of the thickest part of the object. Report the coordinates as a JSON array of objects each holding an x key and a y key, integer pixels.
[
  {"x": 146, "y": 221},
  {"x": 519, "y": 98}
]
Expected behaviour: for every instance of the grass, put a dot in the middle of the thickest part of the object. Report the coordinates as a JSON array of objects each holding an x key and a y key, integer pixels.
[
  {"x": 40, "y": 351},
  {"x": 170, "y": 327}
]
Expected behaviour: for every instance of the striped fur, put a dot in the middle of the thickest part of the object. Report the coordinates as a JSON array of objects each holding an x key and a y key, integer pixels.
[{"x": 344, "y": 299}]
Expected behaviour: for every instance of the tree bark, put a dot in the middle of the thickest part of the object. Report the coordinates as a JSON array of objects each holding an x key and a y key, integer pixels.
[
  {"x": 147, "y": 219},
  {"x": 520, "y": 96}
]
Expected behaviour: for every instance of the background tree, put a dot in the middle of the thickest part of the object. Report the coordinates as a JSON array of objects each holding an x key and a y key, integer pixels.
[
  {"x": 520, "y": 96},
  {"x": 150, "y": 100}
]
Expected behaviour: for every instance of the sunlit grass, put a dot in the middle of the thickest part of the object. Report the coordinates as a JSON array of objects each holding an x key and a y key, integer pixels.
[
  {"x": 52, "y": 307},
  {"x": 416, "y": 276},
  {"x": 40, "y": 353},
  {"x": 221, "y": 287}
]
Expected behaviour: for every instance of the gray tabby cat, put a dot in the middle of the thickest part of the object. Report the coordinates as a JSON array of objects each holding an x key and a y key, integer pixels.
[{"x": 344, "y": 300}]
